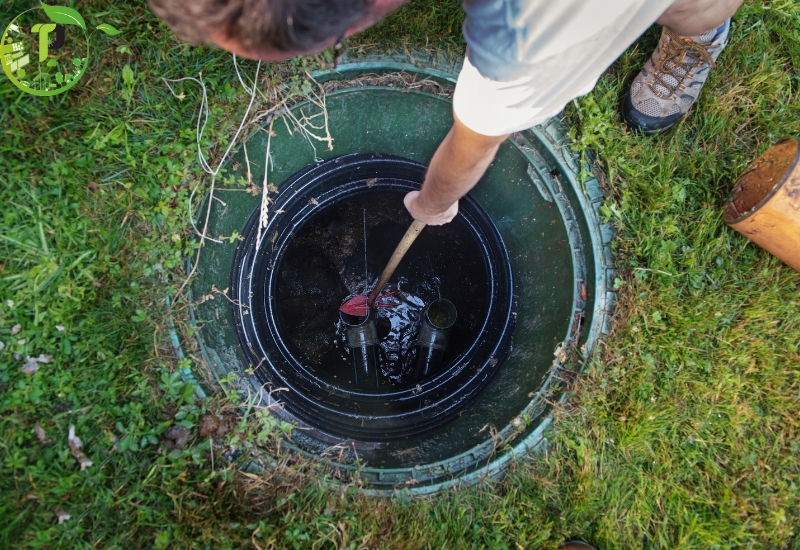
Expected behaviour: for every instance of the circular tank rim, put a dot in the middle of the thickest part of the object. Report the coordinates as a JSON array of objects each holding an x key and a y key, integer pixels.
[
  {"x": 284, "y": 369},
  {"x": 554, "y": 132}
]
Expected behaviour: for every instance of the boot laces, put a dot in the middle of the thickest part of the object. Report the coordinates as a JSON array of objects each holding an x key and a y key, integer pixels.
[{"x": 682, "y": 55}]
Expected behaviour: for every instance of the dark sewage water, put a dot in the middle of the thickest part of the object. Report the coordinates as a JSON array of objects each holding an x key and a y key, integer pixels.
[{"x": 341, "y": 253}]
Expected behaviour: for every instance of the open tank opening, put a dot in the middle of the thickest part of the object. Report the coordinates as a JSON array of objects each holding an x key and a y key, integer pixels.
[
  {"x": 341, "y": 252},
  {"x": 435, "y": 337}
]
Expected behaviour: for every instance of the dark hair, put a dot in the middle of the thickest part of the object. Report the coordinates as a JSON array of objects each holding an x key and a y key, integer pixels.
[{"x": 283, "y": 25}]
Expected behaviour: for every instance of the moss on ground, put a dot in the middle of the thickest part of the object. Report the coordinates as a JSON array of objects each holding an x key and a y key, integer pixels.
[{"x": 682, "y": 433}]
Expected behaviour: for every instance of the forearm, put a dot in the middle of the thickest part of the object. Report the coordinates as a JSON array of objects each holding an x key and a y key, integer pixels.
[
  {"x": 693, "y": 17},
  {"x": 458, "y": 164}
]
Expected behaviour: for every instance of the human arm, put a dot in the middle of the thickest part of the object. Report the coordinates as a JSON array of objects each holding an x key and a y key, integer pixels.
[{"x": 458, "y": 164}]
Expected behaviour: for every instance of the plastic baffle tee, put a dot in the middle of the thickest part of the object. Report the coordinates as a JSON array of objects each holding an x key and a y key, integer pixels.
[
  {"x": 362, "y": 339},
  {"x": 435, "y": 320}
]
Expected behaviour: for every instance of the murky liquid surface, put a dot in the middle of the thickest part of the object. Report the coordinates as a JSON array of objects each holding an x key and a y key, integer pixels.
[{"x": 328, "y": 262}]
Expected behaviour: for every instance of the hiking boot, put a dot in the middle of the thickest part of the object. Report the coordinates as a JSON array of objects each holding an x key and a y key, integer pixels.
[{"x": 672, "y": 78}]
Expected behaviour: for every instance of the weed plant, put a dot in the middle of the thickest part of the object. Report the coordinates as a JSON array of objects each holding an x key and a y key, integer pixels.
[{"x": 683, "y": 431}]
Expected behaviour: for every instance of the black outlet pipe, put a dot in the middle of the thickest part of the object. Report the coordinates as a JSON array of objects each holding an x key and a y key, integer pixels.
[
  {"x": 435, "y": 321},
  {"x": 362, "y": 339}
]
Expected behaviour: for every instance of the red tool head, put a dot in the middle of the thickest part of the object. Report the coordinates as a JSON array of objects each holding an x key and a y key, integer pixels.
[{"x": 359, "y": 305}]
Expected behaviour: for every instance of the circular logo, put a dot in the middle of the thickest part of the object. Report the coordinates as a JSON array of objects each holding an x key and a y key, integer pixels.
[{"x": 44, "y": 51}]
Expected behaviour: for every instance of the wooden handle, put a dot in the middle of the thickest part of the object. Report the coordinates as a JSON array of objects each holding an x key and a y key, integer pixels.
[{"x": 405, "y": 243}]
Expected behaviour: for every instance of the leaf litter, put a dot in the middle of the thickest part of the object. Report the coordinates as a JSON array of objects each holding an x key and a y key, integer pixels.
[
  {"x": 41, "y": 435},
  {"x": 31, "y": 365},
  {"x": 62, "y": 515},
  {"x": 175, "y": 438},
  {"x": 75, "y": 446}
]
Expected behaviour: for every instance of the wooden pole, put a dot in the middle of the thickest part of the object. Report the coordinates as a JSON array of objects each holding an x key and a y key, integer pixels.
[{"x": 405, "y": 243}]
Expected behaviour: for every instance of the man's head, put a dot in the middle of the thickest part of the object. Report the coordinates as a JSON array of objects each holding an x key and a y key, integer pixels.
[{"x": 270, "y": 29}]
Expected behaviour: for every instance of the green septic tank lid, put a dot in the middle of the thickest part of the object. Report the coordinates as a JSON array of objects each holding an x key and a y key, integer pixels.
[{"x": 548, "y": 220}]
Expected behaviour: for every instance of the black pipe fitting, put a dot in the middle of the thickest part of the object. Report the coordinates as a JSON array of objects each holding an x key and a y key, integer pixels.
[
  {"x": 362, "y": 339},
  {"x": 435, "y": 322}
]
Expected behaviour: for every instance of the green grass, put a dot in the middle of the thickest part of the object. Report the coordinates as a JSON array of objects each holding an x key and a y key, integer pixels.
[
  {"x": 422, "y": 24},
  {"x": 682, "y": 433}
]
